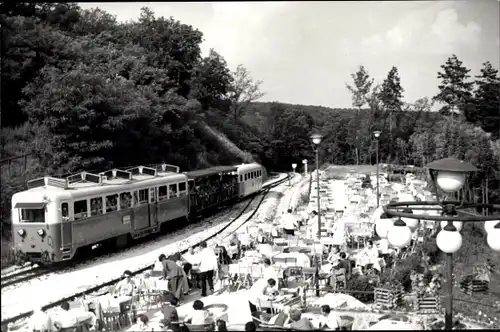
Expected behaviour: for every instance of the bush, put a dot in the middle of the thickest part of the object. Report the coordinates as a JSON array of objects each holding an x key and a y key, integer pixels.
[
  {"x": 401, "y": 272},
  {"x": 362, "y": 289}
]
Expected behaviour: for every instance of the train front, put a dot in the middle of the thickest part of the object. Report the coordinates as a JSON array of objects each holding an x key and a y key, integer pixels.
[{"x": 36, "y": 226}]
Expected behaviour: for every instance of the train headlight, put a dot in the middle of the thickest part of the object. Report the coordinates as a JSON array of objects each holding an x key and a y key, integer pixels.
[
  {"x": 21, "y": 232},
  {"x": 41, "y": 232}
]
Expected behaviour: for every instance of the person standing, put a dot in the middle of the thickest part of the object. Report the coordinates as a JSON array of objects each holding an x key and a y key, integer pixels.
[
  {"x": 174, "y": 274},
  {"x": 290, "y": 223},
  {"x": 208, "y": 264}
]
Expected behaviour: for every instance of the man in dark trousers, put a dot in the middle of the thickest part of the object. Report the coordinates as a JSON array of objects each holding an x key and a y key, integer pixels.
[
  {"x": 174, "y": 274},
  {"x": 207, "y": 265}
]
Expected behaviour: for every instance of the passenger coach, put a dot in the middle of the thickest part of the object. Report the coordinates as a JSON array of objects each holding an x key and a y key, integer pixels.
[
  {"x": 55, "y": 217},
  {"x": 250, "y": 179}
]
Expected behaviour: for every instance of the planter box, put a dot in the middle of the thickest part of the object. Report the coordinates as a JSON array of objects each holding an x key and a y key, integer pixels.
[
  {"x": 474, "y": 286},
  {"x": 388, "y": 298},
  {"x": 429, "y": 304}
]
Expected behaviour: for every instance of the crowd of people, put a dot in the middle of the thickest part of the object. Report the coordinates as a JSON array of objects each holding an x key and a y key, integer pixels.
[{"x": 201, "y": 267}]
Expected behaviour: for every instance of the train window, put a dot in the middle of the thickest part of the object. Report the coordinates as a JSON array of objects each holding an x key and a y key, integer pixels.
[
  {"x": 80, "y": 209},
  {"x": 241, "y": 178},
  {"x": 182, "y": 188},
  {"x": 33, "y": 215},
  {"x": 162, "y": 193},
  {"x": 135, "y": 200},
  {"x": 152, "y": 196},
  {"x": 96, "y": 206},
  {"x": 172, "y": 191},
  {"x": 125, "y": 201},
  {"x": 246, "y": 177},
  {"x": 111, "y": 203},
  {"x": 65, "y": 211},
  {"x": 143, "y": 196}
]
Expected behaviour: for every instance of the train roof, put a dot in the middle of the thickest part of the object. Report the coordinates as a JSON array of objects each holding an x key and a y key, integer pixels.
[
  {"x": 111, "y": 178},
  {"x": 249, "y": 167},
  {"x": 210, "y": 171}
]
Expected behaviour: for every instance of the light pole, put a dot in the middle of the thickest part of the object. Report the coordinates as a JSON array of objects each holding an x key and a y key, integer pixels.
[
  {"x": 293, "y": 172},
  {"x": 377, "y": 133},
  {"x": 305, "y": 166},
  {"x": 316, "y": 140},
  {"x": 448, "y": 175}
]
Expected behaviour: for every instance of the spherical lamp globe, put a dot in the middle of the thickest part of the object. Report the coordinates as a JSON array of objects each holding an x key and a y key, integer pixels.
[
  {"x": 410, "y": 222},
  {"x": 382, "y": 226},
  {"x": 458, "y": 225},
  {"x": 493, "y": 238},
  {"x": 450, "y": 181},
  {"x": 399, "y": 234},
  {"x": 449, "y": 241},
  {"x": 489, "y": 225}
]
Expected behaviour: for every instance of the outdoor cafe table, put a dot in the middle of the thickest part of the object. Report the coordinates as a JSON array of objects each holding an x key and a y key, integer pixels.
[{"x": 108, "y": 303}]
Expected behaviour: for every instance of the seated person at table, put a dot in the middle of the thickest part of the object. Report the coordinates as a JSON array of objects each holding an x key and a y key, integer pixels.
[
  {"x": 40, "y": 321},
  {"x": 143, "y": 324},
  {"x": 174, "y": 274},
  {"x": 245, "y": 240},
  {"x": 235, "y": 242},
  {"x": 199, "y": 316},
  {"x": 333, "y": 256},
  {"x": 261, "y": 289},
  {"x": 261, "y": 237},
  {"x": 169, "y": 311},
  {"x": 250, "y": 327},
  {"x": 346, "y": 264},
  {"x": 369, "y": 251},
  {"x": 69, "y": 318},
  {"x": 328, "y": 319},
  {"x": 221, "y": 325},
  {"x": 126, "y": 286},
  {"x": 275, "y": 231},
  {"x": 299, "y": 323}
]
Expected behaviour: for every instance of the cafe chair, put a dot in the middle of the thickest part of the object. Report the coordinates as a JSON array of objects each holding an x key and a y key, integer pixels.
[
  {"x": 339, "y": 280},
  {"x": 112, "y": 320}
]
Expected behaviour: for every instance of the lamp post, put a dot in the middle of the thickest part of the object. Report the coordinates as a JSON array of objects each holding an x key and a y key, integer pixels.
[
  {"x": 293, "y": 172},
  {"x": 448, "y": 175},
  {"x": 305, "y": 166},
  {"x": 316, "y": 140},
  {"x": 377, "y": 133}
]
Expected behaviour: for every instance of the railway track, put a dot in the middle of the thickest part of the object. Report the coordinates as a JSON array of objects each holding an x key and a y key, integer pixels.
[
  {"x": 94, "y": 289},
  {"x": 23, "y": 275}
]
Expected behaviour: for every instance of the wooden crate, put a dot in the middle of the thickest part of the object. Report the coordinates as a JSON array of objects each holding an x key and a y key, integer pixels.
[
  {"x": 385, "y": 297},
  {"x": 474, "y": 286},
  {"x": 429, "y": 304}
]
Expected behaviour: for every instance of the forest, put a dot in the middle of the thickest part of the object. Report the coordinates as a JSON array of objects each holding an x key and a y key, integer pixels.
[{"x": 81, "y": 91}]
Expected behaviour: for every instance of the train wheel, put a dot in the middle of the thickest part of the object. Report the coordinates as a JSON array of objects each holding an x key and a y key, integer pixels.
[{"x": 123, "y": 241}]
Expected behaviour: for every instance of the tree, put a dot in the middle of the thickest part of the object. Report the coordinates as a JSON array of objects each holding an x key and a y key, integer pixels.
[
  {"x": 391, "y": 98},
  {"x": 454, "y": 90},
  {"x": 243, "y": 91},
  {"x": 486, "y": 106},
  {"x": 360, "y": 90},
  {"x": 212, "y": 80}
]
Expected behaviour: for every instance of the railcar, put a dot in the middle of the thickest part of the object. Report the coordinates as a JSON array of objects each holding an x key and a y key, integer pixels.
[
  {"x": 250, "y": 179},
  {"x": 55, "y": 217},
  {"x": 211, "y": 187}
]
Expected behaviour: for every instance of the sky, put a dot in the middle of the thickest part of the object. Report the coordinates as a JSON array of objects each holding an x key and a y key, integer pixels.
[{"x": 305, "y": 52}]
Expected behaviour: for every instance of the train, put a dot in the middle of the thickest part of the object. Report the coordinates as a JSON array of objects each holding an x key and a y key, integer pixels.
[{"x": 56, "y": 217}]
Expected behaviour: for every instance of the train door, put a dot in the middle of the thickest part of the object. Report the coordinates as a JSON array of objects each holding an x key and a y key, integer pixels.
[
  {"x": 66, "y": 228},
  {"x": 153, "y": 207}
]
